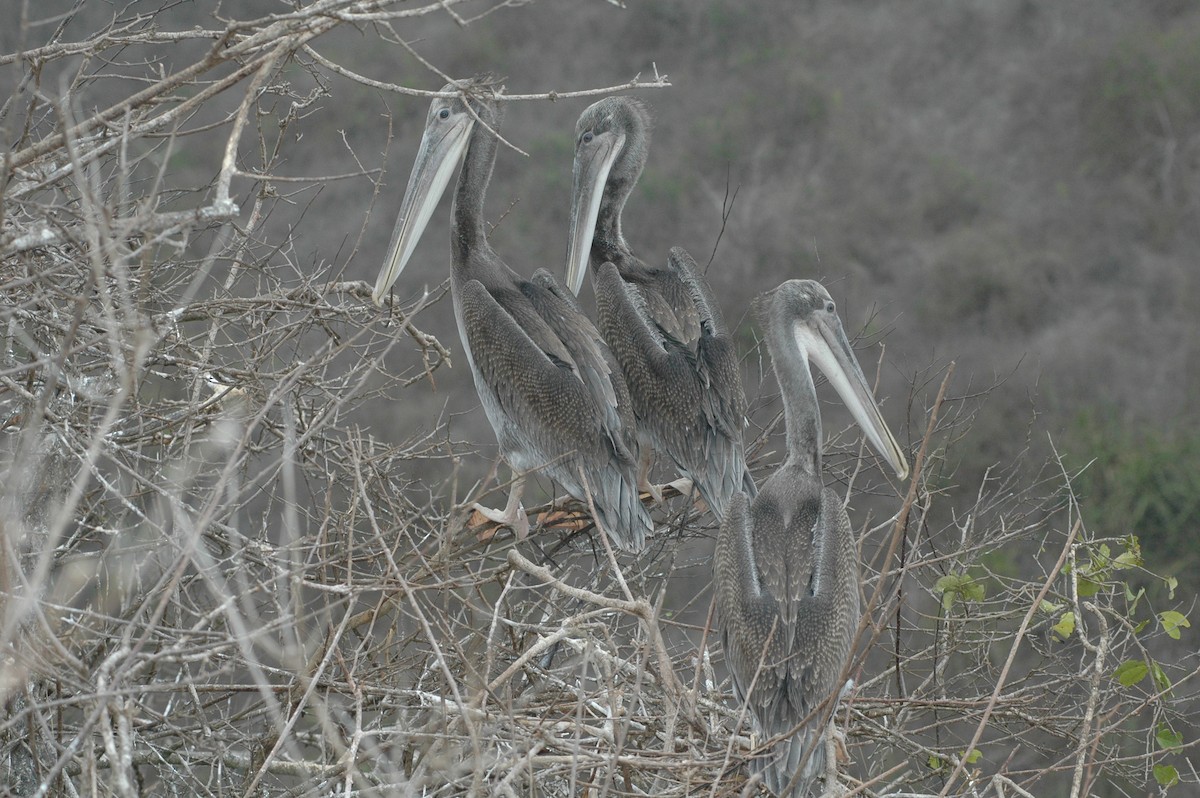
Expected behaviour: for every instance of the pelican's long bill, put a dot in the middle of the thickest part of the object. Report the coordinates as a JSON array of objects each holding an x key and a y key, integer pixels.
[
  {"x": 831, "y": 352},
  {"x": 593, "y": 162},
  {"x": 442, "y": 148}
]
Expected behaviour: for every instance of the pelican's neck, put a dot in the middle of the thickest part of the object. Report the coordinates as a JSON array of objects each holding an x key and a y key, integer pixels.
[
  {"x": 801, "y": 415},
  {"x": 608, "y": 243},
  {"x": 468, "y": 231}
]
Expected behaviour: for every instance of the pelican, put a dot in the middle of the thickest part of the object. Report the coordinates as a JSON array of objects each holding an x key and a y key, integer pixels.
[
  {"x": 663, "y": 325},
  {"x": 546, "y": 380},
  {"x": 786, "y": 565}
]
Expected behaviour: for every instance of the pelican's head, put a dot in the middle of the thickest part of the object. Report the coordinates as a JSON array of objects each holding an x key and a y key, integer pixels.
[
  {"x": 448, "y": 130},
  {"x": 611, "y": 140},
  {"x": 803, "y": 311}
]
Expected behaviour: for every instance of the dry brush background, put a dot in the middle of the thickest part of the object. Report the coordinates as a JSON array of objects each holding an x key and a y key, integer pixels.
[{"x": 235, "y": 559}]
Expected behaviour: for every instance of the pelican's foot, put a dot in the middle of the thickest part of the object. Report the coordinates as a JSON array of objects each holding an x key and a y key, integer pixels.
[
  {"x": 836, "y": 752},
  {"x": 514, "y": 518},
  {"x": 643, "y": 478},
  {"x": 683, "y": 486},
  {"x": 654, "y": 491}
]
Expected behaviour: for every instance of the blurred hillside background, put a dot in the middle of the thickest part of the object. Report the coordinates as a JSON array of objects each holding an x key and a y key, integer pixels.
[{"x": 1007, "y": 185}]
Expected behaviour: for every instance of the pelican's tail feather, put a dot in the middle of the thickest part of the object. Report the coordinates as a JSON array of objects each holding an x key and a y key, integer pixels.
[
  {"x": 622, "y": 513},
  {"x": 798, "y": 761}
]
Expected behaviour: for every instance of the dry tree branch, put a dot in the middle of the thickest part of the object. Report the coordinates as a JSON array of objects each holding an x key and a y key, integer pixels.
[
  {"x": 1012, "y": 653},
  {"x": 639, "y": 608},
  {"x": 634, "y": 84}
]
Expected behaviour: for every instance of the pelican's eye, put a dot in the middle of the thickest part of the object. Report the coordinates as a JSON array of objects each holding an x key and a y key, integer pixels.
[
  {"x": 829, "y": 307},
  {"x": 587, "y": 137},
  {"x": 444, "y": 113}
]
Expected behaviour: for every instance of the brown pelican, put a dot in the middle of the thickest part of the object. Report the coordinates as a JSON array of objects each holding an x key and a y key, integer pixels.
[
  {"x": 663, "y": 324},
  {"x": 786, "y": 565},
  {"x": 545, "y": 377}
]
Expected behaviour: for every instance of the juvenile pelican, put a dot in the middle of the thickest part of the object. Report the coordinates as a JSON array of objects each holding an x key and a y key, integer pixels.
[
  {"x": 663, "y": 324},
  {"x": 545, "y": 377},
  {"x": 786, "y": 565}
]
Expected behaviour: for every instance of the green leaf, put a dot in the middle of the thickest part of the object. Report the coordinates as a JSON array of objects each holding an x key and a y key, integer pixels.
[
  {"x": 1172, "y": 621},
  {"x": 1049, "y": 607},
  {"x": 963, "y": 587},
  {"x": 971, "y": 758},
  {"x": 935, "y": 762},
  {"x": 1129, "y": 559},
  {"x": 1161, "y": 682},
  {"x": 1065, "y": 625},
  {"x": 1172, "y": 583},
  {"x": 1137, "y": 630},
  {"x": 1133, "y": 598},
  {"x": 1167, "y": 737},
  {"x": 1130, "y": 672},
  {"x": 1166, "y": 775},
  {"x": 1087, "y": 587}
]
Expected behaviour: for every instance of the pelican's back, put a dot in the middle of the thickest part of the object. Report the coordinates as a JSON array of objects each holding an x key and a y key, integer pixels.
[{"x": 787, "y": 583}]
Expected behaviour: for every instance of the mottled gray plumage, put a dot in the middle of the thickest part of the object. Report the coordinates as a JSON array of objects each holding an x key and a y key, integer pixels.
[
  {"x": 663, "y": 324},
  {"x": 545, "y": 377},
  {"x": 786, "y": 565}
]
